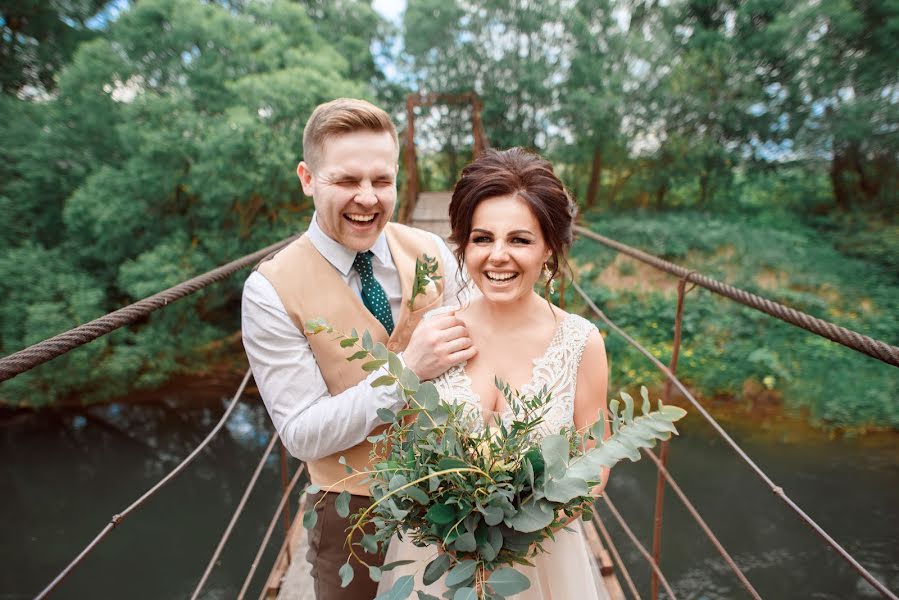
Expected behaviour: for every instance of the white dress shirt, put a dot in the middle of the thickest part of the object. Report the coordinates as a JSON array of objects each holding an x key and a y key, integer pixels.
[{"x": 311, "y": 422}]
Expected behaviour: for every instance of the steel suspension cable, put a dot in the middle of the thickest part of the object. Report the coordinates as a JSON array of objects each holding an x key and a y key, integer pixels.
[
  {"x": 776, "y": 489},
  {"x": 118, "y": 518},
  {"x": 268, "y": 532},
  {"x": 617, "y": 557},
  {"x": 640, "y": 548},
  {"x": 237, "y": 512},
  {"x": 851, "y": 339},
  {"x": 704, "y": 526},
  {"x": 39, "y": 353}
]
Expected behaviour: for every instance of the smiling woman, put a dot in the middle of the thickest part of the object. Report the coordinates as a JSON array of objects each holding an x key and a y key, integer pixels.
[{"x": 506, "y": 250}]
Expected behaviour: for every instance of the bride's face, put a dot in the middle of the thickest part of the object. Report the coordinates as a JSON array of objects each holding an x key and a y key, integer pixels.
[{"x": 506, "y": 250}]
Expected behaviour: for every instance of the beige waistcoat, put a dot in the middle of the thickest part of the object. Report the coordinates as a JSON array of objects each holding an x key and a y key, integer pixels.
[{"x": 310, "y": 287}]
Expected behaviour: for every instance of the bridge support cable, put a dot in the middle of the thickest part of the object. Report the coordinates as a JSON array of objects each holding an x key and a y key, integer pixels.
[
  {"x": 703, "y": 525},
  {"x": 640, "y": 548},
  {"x": 237, "y": 512},
  {"x": 615, "y": 556},
  {"x": 776, "y": 489},
  {"x": 118, "y": 518},
  {"x": 835, "y": 333},
  {"x": 44, "y": 351},
  {"x": 268, "y": 532}
]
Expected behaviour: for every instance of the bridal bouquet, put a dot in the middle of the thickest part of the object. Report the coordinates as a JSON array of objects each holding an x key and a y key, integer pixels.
[{"x": 486, "y": 497}]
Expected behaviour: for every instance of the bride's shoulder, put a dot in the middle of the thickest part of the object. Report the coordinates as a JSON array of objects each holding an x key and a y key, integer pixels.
[{"x": 575, "y": 322}]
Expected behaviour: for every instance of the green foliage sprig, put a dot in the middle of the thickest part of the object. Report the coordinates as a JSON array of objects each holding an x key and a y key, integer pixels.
[
  {"x": 487, "y": 498},
  {"x": 425, "y": 269}
]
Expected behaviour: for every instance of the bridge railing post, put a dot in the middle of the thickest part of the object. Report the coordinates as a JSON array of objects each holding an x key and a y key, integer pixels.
[
  {"x": 410, "y": 163},
  {"x": 285, "y": 481},
  {"x": 663, "y": 447}
]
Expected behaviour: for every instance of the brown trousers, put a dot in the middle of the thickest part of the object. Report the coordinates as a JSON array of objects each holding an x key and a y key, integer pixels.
[{"x": 328, "y": 551}]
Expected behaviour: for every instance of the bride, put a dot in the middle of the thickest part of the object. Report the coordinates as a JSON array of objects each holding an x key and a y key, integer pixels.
[{"x": 511, "y": 222}]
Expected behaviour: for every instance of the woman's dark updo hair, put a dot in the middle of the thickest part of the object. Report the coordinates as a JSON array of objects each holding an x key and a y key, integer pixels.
[{"x": 522, "y": 173}]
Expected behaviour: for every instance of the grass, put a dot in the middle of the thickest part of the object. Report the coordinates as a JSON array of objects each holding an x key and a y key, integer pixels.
[{"x": 733, "y": 351}]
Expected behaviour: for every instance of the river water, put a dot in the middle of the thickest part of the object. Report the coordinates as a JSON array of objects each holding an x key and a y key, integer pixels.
[{"x": 65, "y": 473}]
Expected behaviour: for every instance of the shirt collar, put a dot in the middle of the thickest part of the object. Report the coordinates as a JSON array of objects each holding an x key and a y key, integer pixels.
[{"x": 340, "y": 256}]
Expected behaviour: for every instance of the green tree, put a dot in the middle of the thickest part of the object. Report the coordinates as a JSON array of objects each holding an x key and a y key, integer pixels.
[
  {"x": 39, "y": 37},
  {"x": 168, "y": 148}
]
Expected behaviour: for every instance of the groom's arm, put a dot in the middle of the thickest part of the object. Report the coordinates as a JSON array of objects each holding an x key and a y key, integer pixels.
[{"x": 311, "y": 422}]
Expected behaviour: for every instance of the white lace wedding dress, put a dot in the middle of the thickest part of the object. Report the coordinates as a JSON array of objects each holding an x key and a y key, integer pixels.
[{"x": 566, "y": 571}]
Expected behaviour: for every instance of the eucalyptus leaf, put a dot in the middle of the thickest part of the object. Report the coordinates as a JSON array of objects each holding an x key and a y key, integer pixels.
[
  {"x": 373, "y": 365},
  {"x": 628, "y": 406},
  {"x": 380, "y": 352},
  {"x": 417, "y": 494},
  {"x": 367, "y": 341},
  {"x": 386, "y": 415},
  {"x": 394, "y": 564},
  {"x": 374, "y": 573},
  {"x": 347, "y": 342},
  {"x": 465, "y": 542},
  {"x": 533, "y": 515},
  {"x": 461, "y": 573},
  {"x": 555, "y": 449},
  {"x": 424, "y": 596},
  {"x": 427, "y": 396},
  {"x": 435, "y": 569},
  {"x": 397, "y": 481},
  {"x": 358, "y": 355},
  {"x": 342, "y": 504},
  {"x": 410, "y": 380},
  {"x": 310, "y": 518},
  {"x": 346, "y": 574},
  {"x": 394, "y": 364},
  {"x": 383, "y": 380},
  {"x": 508, "y": 582},
  {"x": 315, "y": 325},
  {"x": 487, "y": 551},
  {"x": 465, "y": 593},
  {"x": 566, "y": 489},
  {"x": 493, "y": 515},
  {"x": 400, "y": 590},
  {"x": 370, "y": 543},
  {"x": 495, "y": 538},
  {"x": 451, "y": 463},
  {"x": 441, "y": 514}
]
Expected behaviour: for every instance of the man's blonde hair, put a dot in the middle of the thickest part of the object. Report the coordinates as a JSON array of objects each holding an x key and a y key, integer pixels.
[{"x": 343, "y": 115}]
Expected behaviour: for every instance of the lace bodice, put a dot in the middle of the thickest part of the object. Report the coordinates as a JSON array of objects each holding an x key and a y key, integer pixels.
[{"x": 556, "y": 370}]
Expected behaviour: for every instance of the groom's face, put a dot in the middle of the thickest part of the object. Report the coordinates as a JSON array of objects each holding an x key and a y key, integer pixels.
[{"x": 353, "y": 186}]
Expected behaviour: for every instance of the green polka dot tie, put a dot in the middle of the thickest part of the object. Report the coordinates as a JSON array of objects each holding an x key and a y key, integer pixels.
[{"x": 373, "y": 295}]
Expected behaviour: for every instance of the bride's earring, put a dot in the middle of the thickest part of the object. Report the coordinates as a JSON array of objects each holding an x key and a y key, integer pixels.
[{"x": 548, "y": 274}]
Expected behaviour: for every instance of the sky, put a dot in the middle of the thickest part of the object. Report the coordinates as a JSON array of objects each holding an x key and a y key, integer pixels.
[{"x": 391, "y": 10}]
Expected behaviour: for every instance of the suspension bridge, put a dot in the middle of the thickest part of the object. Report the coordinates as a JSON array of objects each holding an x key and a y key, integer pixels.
[{"x": 289, "y": 578}]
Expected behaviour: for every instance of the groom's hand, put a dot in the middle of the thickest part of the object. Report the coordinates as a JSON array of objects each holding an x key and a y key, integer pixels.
[{"x": 437, "y": 344}]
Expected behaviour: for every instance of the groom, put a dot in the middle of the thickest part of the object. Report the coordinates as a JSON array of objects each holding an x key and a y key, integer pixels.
[{"x": 355, "y": 269}]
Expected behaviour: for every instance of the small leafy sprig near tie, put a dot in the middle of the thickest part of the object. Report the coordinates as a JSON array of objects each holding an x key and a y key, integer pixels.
[{"x": 425, "y": 273}]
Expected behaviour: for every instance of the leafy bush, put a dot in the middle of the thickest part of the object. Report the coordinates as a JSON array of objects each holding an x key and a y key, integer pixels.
[{"x": 725, "y": 345}]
